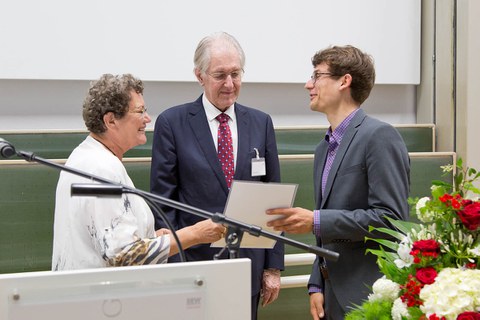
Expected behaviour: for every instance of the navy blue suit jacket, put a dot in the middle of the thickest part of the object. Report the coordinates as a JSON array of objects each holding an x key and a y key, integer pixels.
[{"x": 185, "y": 168}]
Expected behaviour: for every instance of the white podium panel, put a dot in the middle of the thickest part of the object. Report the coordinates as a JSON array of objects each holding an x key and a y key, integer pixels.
[{"x": 193, "y": 290}]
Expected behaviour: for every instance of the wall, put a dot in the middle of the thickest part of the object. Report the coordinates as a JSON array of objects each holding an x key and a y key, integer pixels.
[
  {"x": 448, "y": 94},
  {"x": 468, "y": 93},
  {"x": 56, "y": 104},
  {"x": 52, "y": 49}
]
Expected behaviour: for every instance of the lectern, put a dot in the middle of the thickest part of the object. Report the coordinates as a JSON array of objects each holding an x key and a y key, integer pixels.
[{"x": 193, "y": 290}]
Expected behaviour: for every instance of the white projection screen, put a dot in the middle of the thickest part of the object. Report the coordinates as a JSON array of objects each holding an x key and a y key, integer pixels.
[{"x": 155, "y": 40}]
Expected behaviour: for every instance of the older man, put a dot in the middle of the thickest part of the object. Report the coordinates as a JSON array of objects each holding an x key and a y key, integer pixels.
[{"x": 201, "y": 146}]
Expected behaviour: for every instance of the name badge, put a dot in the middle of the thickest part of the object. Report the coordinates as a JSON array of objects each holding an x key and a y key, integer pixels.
[{"x": 258, "y": 165}]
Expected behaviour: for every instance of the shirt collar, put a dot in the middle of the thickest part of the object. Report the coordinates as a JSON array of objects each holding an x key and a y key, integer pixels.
[
  {"x": 212, "y": 112},
  {"x": 338, "y": 133}
]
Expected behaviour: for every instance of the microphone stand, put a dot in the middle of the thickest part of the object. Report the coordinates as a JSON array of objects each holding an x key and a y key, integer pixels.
[{"x": 235, "y": 228}]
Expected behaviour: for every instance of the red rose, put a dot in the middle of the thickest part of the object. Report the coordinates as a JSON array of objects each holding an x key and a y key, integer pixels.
[
  {"x": 426, "y": 275},
  {"x": 426, "y": 246},
  {"x": 469, "y": 315},
  {"x": 456, "y": 204},
  {"x": 446, "y": 197},
  {"x": 470, "y": 216}
]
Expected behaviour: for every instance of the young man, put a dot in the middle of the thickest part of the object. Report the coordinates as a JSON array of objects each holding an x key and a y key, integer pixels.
[{"x": 361, "y": 178}]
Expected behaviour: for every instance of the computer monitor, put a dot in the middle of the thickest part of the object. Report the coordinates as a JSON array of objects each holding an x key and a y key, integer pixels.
[{"x": 193, "y": 290}]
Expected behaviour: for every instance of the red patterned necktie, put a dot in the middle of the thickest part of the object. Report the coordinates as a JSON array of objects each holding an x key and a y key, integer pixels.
[{"x": 225, "y": 148}]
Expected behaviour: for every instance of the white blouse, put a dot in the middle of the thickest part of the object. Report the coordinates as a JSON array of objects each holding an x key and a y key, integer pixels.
[{"x": 92, "y": 232}]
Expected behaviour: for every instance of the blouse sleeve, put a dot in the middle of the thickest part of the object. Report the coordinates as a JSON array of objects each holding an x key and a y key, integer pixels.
[
  {"x": 143, "y": 251},
  {"x": 118, "y": 234}
]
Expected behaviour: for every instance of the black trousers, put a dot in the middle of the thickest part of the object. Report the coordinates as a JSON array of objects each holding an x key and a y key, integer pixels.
[{"x": 255, "y": 302}]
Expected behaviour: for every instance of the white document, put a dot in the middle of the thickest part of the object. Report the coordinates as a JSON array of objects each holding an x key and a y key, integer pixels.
[{"x": 248, "y": 201}]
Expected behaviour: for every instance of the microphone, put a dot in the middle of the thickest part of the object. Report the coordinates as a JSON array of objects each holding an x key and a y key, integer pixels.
[
  {"x": 6, "y": 149},
  {"x": 96, "y": 190}
]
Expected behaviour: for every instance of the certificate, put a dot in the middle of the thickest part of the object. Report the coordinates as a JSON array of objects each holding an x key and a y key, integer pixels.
[{"x": 247, "y": 203}]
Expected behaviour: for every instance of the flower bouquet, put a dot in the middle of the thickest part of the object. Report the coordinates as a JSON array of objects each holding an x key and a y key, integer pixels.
[{"x": 433, "y": 270}]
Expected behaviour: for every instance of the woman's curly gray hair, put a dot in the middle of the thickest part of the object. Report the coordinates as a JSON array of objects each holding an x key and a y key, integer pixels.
[{"x": 110, "y": 93}]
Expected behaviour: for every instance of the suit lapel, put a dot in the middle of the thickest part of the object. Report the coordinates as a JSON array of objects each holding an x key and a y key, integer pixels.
[
  {"x": 199, "y": 124},
  {"x": 342, "y": 150},
  {"x": 243, "y": 154},
  {"x": 320, "y": 158}
]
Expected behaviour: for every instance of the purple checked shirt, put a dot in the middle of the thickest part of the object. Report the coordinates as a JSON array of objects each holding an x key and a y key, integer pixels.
[{"x": 333, "y": 139}]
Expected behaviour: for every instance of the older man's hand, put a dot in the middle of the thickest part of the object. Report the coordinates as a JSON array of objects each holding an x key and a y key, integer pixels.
[{"x": 270, "y": 286}]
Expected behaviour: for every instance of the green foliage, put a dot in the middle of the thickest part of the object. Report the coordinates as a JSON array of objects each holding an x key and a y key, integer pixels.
[{"x": 377, "y": 310}]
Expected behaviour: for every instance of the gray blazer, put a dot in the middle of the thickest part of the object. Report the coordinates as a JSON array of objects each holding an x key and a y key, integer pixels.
[{"x": 369, "y": 180}]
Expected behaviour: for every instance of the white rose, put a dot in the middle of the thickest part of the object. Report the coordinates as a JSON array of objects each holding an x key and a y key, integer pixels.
[
  {"x": 384, "y": 289},
  {"x": 424, "y": 215},
  {"x": 399, "y": 310},
  {"x": 405, "y": 259},
  {"x": 475, "y": 251}
]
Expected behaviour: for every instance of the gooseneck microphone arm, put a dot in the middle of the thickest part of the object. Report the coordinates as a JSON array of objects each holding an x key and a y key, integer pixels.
[
  {"x": 238, "y": 227},
  {"x": 235, "y": 225}
]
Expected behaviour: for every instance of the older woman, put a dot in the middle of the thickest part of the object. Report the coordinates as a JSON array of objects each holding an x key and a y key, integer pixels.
[{"x": 92, "y": 232}]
